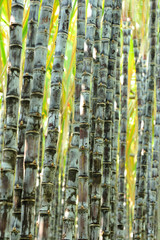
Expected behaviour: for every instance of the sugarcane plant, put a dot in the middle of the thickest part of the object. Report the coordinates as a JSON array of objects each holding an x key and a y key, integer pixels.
[
  {"x": 34, "y": 122},
  {"x": 123, "y": 133},
  {"x": 73, "y": 161},
  {"x": 114, "y": 89},
  {"x": 152, "y": 229},
  {"x": 87, "y": 74},
  {"x": 140, "y": 228},
  {"x": 103, "y": 95},
  {"x": 11, "y": 119},
  {"x": 97, "y": 129},
  {"x": 50, "y": 160},
  {"x": 24, "y": 104}
]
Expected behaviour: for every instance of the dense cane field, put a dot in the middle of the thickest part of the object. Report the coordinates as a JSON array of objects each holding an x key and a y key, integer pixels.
[{"x": 79, "y": 120}]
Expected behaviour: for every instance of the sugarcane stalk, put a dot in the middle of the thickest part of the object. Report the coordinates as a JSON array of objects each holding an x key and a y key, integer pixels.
[
  {"x": 85, "y": 104},
  {"x": 115, "y": 41},
  {"x": 152, "y": 227},
  {"x": 10, "y": 128},
  {"x": 123, "y": 134},
  {"x": 115, "y": 148},
  {"x": 50, "y": 159},
  {"x": 38, "y": 184},
  {"x": 97, "y": 129},
  {"x": 34, "y": 122},
  {"x": 24, "y": 110},
  {"x": 106, "y": 98},
  {"x": 72, "y": 181},
  {"x": 141, "y": 208}
]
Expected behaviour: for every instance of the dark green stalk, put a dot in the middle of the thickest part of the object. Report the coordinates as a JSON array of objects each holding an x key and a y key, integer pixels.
[
  {"x": 10, "y": 128},
  {"x": 34, "y": 122},
  {"x": 24, "y": 110},
  {"x": 72, "y": 181},
  {"x": 85, "y": 122},
  {"x": 123, "y": 134},
  {"x": 50, "y": 159}
]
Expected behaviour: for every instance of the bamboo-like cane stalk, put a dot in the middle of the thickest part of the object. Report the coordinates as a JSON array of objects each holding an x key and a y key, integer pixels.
[
  {"x": 149, "y": 207},
  {"x": 38, "y": 185},
  {"x": 34, "y": 122},
  {"x": 104, "y": 93},
  {"x": 123, "y": 133},
  {"x": 155, "y": 164},
  {"x": 24, "y": 103},
  {"x": 140, "y": 85},
  {"x": 141, "y": 208},
  {"x": 115, "y": 40},
  {"x": 53, "y": 119},
  {"x": 115, "y": 147},
  {"x": 85, "y": 122},
  {"x": 10, "y": 127},
  {"x": 72, "y": 181},
  {"x": 63, "y": 197},
  {"x": 97, "y": 129}
]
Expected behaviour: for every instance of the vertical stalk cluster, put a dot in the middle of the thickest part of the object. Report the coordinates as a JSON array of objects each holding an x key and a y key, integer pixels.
[
  {"x": 24, "y": 110},
  {"x": 11, "y": 119},
  {"x": 123, "y": 134},
  {"x": 140, "y": 231},
  {"x": 72, "y": 180},
  {"x": 50, "y": 160},
  {"x": 34, "y": 122},
  {"x": 85, "y": 122}
]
